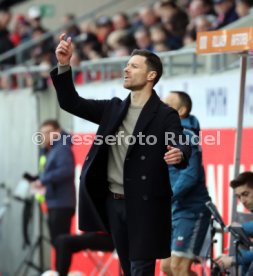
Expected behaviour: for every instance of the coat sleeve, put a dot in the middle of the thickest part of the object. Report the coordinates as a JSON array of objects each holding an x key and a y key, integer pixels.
[
  {"x": 188, "y": 177},
  {"x": 61, "y": 169},
  {"x": 70, "y": 101},
  {"x": 174, "y": 137}
]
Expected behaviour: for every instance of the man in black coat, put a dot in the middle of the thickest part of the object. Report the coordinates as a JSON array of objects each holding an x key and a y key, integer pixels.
[{"x": 124, "y": 181}]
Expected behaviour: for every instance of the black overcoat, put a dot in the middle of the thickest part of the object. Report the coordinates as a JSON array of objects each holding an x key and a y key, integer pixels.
[{"x": 146, "y": 181}]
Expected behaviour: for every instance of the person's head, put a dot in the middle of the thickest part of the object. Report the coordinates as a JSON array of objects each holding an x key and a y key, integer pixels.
[
  {"x": 5, "y": 17},
  {"x": 142, "y": 38},
  {"x": 243, "y": 7},
  {"x": 243, "y": 188},
  {"x": 49, "y": 129},
  {"x": 120, "y": 21},
  {"x": 203, "y": 23},
  {"x": 199, "y": 7},
  {"x": 222, "y": 6},
  {"x": 104, "y": 27},
  {"x": 180, "y": 101},
  {"x": 148, "y": 17},
  {"x": 34, "y": 16},
  {"x": 143, "y": 68}
]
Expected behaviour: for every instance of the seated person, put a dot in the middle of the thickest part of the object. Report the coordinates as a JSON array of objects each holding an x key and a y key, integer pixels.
[
  {"x": 243, "y": 187},
  {"x": 67, "y": 245}
]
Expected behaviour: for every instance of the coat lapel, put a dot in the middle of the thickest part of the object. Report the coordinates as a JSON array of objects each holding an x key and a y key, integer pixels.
[
  {"x": 147, "y": 114},
  {"x": 119, "y": 116}
]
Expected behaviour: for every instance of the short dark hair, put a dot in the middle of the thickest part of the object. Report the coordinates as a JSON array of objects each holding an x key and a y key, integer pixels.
[
  {"x": 243, "y": 179},
  {"x": 51, "y": 122},
  {"x": 153, "y": 62},
  {"x": 185, "y": 100},
  {"x": 248, "y": 3}
]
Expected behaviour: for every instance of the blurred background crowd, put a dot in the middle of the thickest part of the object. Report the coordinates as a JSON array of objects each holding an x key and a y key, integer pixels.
[{"x": 166, "y": 25}]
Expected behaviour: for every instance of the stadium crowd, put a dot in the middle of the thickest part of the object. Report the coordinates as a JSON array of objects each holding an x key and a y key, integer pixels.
[{"x": 164, "y": 26}]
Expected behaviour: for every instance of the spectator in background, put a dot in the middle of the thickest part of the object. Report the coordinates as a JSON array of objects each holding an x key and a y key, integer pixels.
[
  {"x": 120, "y": 39},
  {"x": 204, "y": 23},
  {"x": 5, "y": 41},
  {"x": 243, "y": 188},
  {"x": 226, "y": 13},
  {"x": 115, "y": 40},
  {"x": 71, "y": 28},
  {"x": 167, "y": 10},
  {"x": 244, "y": 7},
  {"x": 148, "y": 17},
  {"x": 200, "y": 11},
  {"x": 104, "y": 27},
  {"x": 120, "y": 21},
  {"x": 159, "y": 36},
  {"x": 88, "y": 27},
  {"x": 176, "y": 27},
  {"x": 143, "y": 39},
  {"x": 21, "y": 31},
  {"x": 58, "y": 179},
  {"x": 200, "y": 7},
  {"x": 35, "y": 17},
  {"x": 190, "y": 216},
  {"x": 90, "y": 47}
]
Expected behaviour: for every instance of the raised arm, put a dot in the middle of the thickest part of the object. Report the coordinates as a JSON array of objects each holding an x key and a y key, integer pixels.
[{"x": 69, "y": 100}]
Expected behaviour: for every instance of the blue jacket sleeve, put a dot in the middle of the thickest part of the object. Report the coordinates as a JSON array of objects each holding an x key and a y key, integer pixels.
[
  {"x": 63, "y": 167},
  {"x": 248, "y": 228},
  {"x": 188, "y": 177},
  {"x": 245, "y": 257}
]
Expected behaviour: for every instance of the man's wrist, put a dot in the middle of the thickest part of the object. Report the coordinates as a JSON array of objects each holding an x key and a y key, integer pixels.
[
  {"x": 63, "y": 64},
  {"x": 63, "y": 68}
]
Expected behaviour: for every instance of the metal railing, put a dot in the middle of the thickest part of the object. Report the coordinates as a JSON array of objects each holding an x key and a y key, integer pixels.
[
  {"x": 175, "y": 63},
  {"x": 18, "y": 51}
]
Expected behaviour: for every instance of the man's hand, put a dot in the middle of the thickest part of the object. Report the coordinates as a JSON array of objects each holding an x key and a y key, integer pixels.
[
  {"x": 224, "y": 261},
  {"x": 36, "y": 184},
  {"x": 38, "y": 187},
  {"x": 173, "y": 156},
  {"x": 64, "y": 50}
]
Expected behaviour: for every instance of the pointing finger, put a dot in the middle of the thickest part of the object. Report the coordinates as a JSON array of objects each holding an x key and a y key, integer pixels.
[
  {"x": 69, "y": 40},
  {"x": 62, "y": 36}
]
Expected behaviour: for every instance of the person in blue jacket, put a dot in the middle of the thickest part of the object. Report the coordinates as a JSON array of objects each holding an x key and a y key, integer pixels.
[
  {"x": 243, "y": 188},
  {"x": 57, "y": 177},
  {"x": 190, "y": 216}
]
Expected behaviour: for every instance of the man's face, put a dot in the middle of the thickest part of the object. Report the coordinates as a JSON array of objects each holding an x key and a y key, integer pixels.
[
  {"x": 48, "y": 132},
  {"x": 136, "y": 73},
  {"x": 173, "y": 101},
  {"x": 245, "y": 194}
]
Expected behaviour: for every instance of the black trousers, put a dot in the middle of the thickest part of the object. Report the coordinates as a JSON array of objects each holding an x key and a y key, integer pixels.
[
  {"x": 66, "y": 245},
  {"x": 59, "y": 222},
  {"x": 116, "y": 213}
]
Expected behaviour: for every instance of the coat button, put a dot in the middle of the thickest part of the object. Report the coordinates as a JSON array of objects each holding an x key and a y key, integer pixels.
[
  {"x": 87, "y": 158},
  {"x": 145, "y": 197},
  {"x": 143, "y": 177},
  {"x": 143, "y": 157},
  {"x": 127, "y": 159}
]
